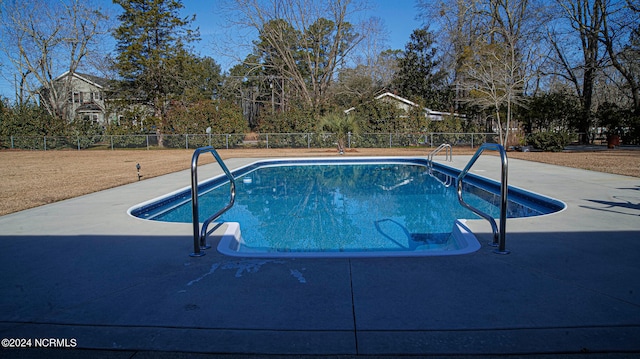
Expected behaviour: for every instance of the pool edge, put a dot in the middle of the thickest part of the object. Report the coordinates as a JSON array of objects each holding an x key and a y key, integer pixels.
[{"x": 231, "y": 239}]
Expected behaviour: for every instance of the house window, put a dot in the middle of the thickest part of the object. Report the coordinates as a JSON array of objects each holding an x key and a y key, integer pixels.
[
  {"x": 92, "y": 117},
  {"x": 97, "y": 96},
  {"x": 76, "y": 97}
]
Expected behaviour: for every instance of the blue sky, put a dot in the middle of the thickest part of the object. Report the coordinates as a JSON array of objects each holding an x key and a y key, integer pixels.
[
  {"x": 399, "y": 19},
  {"x": 398, "y": 16}
]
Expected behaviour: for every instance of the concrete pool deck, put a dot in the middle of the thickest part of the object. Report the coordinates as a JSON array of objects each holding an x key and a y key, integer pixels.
[{"x": 83, "y": 269}]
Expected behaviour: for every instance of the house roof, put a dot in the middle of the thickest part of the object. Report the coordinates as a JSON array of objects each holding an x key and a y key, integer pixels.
[
  {"x": 428, "y": 112},
  {"x": 396, "y": 97},
  {"x": 97, "y": 81},
  {"x": 391, "y": 96}
]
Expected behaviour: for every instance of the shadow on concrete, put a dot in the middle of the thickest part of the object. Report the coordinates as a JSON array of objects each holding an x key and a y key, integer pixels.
[
  {"x": 611, "y": 204},
  {"x": 621, "y": 204},
  {"x": 557, "y": 292}
]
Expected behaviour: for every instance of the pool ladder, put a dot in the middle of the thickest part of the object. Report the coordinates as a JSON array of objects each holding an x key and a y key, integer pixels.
[
  {"x": 448, "y": 155},
  {"x": 499, "y": 235},
  {"x": 200, "y": 234}
]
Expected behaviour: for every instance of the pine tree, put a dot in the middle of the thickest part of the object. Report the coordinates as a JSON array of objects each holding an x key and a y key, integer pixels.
[
  {"x": 152, "y": 51},
  {"x": 420, "y": 76}
]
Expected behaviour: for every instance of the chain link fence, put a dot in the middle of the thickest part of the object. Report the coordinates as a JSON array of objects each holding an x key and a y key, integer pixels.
[{"x": 231, "y": 141}]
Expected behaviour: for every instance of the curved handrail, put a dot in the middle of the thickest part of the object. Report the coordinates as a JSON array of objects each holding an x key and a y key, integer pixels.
[
  {"x": 447, "y": 182},
  {"x": 200, "y": 235},
  {"x": 499, "y": 235},
  {"x": 448, "y": 154}
]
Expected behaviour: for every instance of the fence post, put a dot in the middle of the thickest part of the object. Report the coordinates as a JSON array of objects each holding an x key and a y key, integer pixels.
[
  {"x": 186, "y": 141},
  {"x": 390, "y": 140},
  {"x": 227, "y": 136},
  {"x": 78, "y": 138},
  {"x": 11, "y": 142},
  {"x": 147, "y": 136},
  {"x": 308, "y": 140},
  {"x": 45, "y": 143},
  {"x": 267, "y": 140},
  {"x": 349, "y": 138}
]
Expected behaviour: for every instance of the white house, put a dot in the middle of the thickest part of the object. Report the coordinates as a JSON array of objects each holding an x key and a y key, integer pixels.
[
  {"x": 406, "y": 105},
  {"x": 400, "y": 102}
]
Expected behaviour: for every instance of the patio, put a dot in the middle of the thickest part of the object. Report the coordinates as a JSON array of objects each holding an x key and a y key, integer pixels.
[{"x": 83, "y": 269}]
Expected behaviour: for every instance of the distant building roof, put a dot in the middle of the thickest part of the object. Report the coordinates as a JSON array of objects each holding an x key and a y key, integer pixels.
[
  {"x": 94, "y": 80},
  {"x": 404, "y": 103},
  {"x": 396, "y": 97}
]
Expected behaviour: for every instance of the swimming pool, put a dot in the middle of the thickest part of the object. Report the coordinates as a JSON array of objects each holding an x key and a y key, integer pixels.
[{"x": 348, "y": 207}]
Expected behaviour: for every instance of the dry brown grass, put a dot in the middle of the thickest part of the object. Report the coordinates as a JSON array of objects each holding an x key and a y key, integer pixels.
[
  {"x": 33, "y": 178},
  {"x": 622, "y": 162}
]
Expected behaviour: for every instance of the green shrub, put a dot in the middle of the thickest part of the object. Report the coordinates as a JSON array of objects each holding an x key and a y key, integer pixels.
[{"x": 549, "y": 141}]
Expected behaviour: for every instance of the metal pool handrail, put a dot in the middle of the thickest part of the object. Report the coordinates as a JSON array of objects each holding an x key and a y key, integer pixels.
[
  {"x": 499, "y": 235},
  {"x": 448, "y": 181},
  {"x": 448, "y": 154},
  {"x": 200, "y": 235}
]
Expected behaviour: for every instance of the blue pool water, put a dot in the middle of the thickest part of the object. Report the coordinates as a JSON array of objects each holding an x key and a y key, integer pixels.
[{"x": 321, "y": 206}]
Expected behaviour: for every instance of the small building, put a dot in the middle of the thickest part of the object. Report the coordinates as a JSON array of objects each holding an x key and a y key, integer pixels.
[{"x": 406, "y": 105}]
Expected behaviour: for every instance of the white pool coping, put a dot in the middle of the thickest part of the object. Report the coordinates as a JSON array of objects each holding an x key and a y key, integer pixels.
[{"x": 230, "y": 243}]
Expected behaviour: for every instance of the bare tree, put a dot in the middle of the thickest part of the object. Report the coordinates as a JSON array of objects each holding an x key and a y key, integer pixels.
[
  {"x": 496, "y": 65},
  {"x": 620, "y": 37},
  {"x": 585, "y": 20},
  {"x": 304, "y": 41},
  {"x": 460, "y": 23},
  {"x": 43, "y": 39},
  {"x": 362, "y": 82},
  {"x": 373, "y": 55}
]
